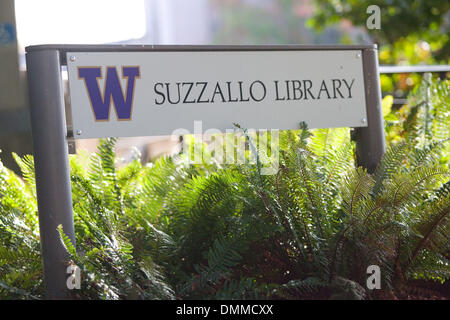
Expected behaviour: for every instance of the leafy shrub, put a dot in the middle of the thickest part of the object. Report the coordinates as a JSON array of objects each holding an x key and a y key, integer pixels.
[{"x": 169, "y": 230}]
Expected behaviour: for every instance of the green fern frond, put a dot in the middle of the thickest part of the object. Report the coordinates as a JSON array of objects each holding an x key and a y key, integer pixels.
[
  {"x": 298, "y": 288},
  {"x": 70, "y": 248},
  {"x": 26, "y": 165},
  {"x": 16, "y": 292}
]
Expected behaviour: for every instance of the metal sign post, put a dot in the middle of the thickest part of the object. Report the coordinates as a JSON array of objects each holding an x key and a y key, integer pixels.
[
  {"x": 339, "y": 87},
  {"x": 51, "y": 163},
  {"x": 370, "y": 141}
]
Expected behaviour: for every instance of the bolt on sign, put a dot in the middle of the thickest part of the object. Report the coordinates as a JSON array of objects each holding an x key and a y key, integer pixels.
[{"x": 155, "y": 93}]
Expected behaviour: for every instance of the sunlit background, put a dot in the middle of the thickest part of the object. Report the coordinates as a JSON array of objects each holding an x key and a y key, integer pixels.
[
  {"x": 81, "y": 21},
  {"x": 173, "y": 22},
  {"x": 402, "y": 40}
]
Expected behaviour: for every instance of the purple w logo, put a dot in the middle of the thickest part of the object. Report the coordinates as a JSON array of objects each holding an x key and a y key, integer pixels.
[{"x": 101, "y": 103}]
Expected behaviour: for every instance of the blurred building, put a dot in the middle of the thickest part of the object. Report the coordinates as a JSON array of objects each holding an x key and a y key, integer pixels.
[
  {"x": 26, "y": 22},
  {"x": 85, "y": 22}
]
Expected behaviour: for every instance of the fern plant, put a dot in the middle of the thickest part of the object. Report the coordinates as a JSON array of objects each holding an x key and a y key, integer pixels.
[
  {"x": 110, "y": 255},
  {"x": 170, "y": 230},
  {"x": 20, "y": 263},
  {"x": 322, "y": 219}
]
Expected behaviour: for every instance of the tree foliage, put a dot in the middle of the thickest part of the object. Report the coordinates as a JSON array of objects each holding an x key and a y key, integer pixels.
[{"x": 427, "y": 20}]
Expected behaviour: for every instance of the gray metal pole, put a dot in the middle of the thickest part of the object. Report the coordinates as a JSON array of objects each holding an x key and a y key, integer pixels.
[
  {"x": 51, "y": 161},
  {"x": 370, "y": 140}
]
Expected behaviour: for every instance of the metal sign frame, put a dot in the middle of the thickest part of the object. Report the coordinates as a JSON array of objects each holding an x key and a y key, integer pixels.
[{"x": 51, "y": 136}]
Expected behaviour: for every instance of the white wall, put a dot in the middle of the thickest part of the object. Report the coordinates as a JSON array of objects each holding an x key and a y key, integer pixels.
[{"x": 178, "y": 21}]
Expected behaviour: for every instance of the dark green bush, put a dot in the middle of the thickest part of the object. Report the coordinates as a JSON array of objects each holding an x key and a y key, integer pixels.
[{"x": 170, "y": 230}]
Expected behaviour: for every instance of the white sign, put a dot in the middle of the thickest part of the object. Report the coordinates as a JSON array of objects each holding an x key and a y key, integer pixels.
[{"x": 154, "y": 93}]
